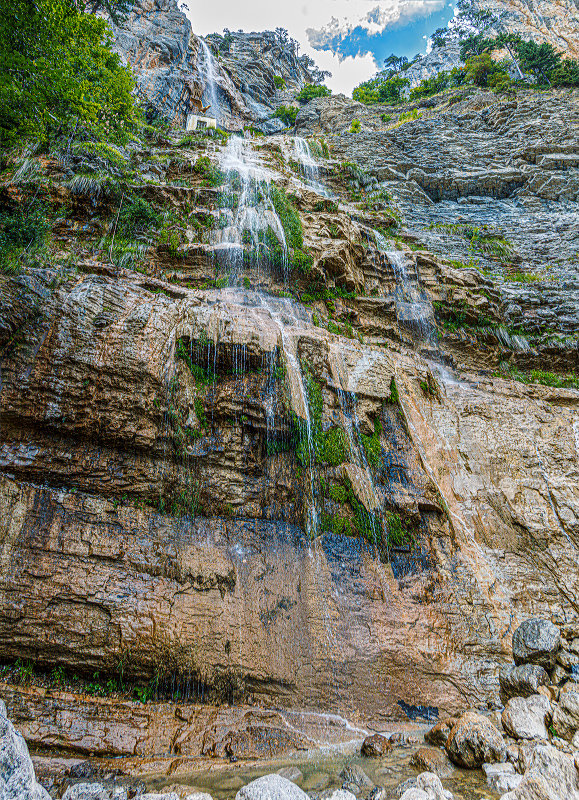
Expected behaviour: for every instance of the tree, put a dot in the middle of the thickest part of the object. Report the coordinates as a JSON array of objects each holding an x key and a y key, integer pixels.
[
  {"x": 395, "y": 64},
  {"x": 483, "y": 71},
  {"x": 57, "y": 71},
  {"x": 381, "y": 89},
  {"x": 538, "y": 59}
]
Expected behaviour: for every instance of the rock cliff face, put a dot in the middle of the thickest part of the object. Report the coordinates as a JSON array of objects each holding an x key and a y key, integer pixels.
[
  {"x": 553, "y": 21},
  {"x": 235, "y": 78},
  {"x": 272, "y": 444}
]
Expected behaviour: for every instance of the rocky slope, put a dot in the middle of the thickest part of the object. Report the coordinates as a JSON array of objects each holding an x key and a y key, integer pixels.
[{"x": 270, "y": 431}]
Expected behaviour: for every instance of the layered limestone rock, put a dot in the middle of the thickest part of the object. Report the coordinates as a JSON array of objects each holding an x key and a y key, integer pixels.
[{"x": 237, "y": 464}]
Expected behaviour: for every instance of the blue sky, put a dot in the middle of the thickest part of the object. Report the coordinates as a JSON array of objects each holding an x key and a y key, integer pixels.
[{"x": 350, "y": 38}]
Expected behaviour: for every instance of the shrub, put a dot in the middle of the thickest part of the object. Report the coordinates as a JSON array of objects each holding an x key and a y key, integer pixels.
[
  {"x": 279, "y": 82},
  {"x": 381, "y": 89},
  {"x": 356, "y": 126},
  {"x": 137, "y": 215},
  {"x": 312, "y": 90},
  {"x": 22, "y": 231},
  {"x": 480, "y": 69},
  {"x": 287, "y": 114},
  {"x": 211, "y": 174}
]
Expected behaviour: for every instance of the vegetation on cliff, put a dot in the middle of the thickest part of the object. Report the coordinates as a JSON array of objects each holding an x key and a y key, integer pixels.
[{"x": 58, "y": 74}]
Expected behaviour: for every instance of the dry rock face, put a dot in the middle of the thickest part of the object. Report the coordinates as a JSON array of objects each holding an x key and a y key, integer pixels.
[
  {"x": 522, "y": 680},
  {"x": 536, "y": 641},
  {"x": 527, "y": 717}
]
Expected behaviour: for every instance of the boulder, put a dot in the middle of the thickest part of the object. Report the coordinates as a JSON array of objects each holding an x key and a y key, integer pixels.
[
  {"x": 438, "y": 735},
  {"x": 291, "y": 773},
  {"x": 566, "y": 712},
  {"x": 552, "y": 775},
  {"x": 355, "y": 779},
  {"x": 432, "y": 759},
  {"x": 501, "y": 777},
  {"x": 17, "y": 779},
  {"x": 521, "y": 681},
  {"x": 271, "y": 787},
  {"x": 376, "y": 746},
  {"x": 527, "y": 717},
  {"x": 428, "y": 787},
  {"x": 474, "y": 740},
  {"x": 536, "y": 641}
]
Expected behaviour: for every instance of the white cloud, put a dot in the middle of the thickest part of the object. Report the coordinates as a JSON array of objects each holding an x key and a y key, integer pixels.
[{"x": 321, "y": 16}]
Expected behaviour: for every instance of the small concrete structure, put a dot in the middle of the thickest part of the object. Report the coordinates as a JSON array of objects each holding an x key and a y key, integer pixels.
[{"x": 197, "y": 122}]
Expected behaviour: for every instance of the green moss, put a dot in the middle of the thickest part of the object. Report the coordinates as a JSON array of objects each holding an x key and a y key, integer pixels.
[
  {"x": 289, "y": 218},
  {"x": 338, "y": 494},
  {"x": 372, "y": 447},
  {"x": 334, "y": 448},
  {"x": 398, "y": 532},
  {"x": 211, "y": 174},
  {"x": 394, "y": 397}
]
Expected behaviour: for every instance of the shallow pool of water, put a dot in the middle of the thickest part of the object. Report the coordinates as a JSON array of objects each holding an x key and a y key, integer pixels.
[{"x": 321, "y": 770}]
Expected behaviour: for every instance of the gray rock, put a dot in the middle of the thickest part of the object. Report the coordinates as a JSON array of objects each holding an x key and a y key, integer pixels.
[
  {"x": 355, "y": 779},
  {"x": 17, "y": 779},
  {"x": 527, "y": 717},
  {"x": 501, "y": 777},
  {"x": 552, "y": 775},
  {"x": 521, "y": 681},
  {"x": 271, "y": 787},
  {"x": 428, "y": 787},
  {"x": 291, "y": 773},
  {"x": 536, "y": 641},
  {"x": 566, "y": 711},
  {"x": 474, "y": 740}
]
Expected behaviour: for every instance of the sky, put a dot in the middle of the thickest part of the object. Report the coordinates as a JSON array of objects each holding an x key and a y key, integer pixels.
[{"x": 351, "y": 38}]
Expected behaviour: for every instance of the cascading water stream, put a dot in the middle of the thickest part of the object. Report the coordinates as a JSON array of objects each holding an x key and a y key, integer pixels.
[
  {"x": 207, "y": 69},
  {"x": 250, "y": 213},
  {"x": 302, "y": 153}
]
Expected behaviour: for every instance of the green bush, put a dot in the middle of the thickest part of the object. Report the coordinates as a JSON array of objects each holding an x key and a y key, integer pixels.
[
  {"x": 279, "y": 82},
  {"x": 287, "y": 114},
  {"x": 381, "y": 89},
  {"x": 207, "y": 169},
  {"x": 22, "y": 232},
  {"x": 312, "y": 90},
  {"x": 57, "y": 71},
  {"x": 138, "y": 214},
  {"x": 356, "y": 126}
]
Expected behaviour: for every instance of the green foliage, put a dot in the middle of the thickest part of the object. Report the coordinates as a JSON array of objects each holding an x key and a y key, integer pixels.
[
  {"x": 24, "y": 671},
  {"x": 569, "y": 381},
  {"x": 312, "y": 90},
  {"x": 372, "y": 446},
  {"x": 381, "y": 89},
  {"x": 338, "y": 494},
  {"x": 398, "y": 533},
  {"x": 483, "y": 71},
  {"x": 394, "y": 396},
  {"x": 137, "y": 215},
  {"x": 356, "y": 126},
  {"x": 287, "y": 114},
  {"x": 333, "y": 449},
  {"x": 211, "y": 174},
  {"x": 289, "y": 218},
  {"x": 279, "y": 82},
  {"x": 57, "y": 72},
  {"x": 22, "y": 234},
  {"x": 302, "y": 260}
]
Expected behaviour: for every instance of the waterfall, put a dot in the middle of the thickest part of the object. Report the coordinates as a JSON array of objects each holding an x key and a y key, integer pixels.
[
  {"x": 302, "y": 153},
  {"x": 414, "y": 310},
  {"x": 207, "y": 69},
  {"x": 252, "y": 220}
]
